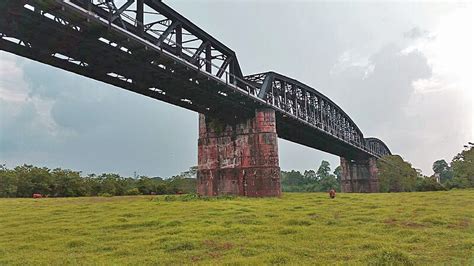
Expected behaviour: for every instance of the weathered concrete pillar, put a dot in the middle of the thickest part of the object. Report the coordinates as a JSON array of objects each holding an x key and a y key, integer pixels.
[
  {"x": 359, "y": 176},
  {"x": 239, "y": 159}
]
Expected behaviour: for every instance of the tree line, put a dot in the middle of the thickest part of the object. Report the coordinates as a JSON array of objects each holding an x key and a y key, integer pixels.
[
  {"x": 26, "y": 180},
  {"x": 321, "y": 180},
  {"x": 395, "y": 175}
]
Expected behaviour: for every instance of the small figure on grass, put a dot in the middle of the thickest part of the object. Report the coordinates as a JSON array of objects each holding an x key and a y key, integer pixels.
[{"x": 332, "y": 193}]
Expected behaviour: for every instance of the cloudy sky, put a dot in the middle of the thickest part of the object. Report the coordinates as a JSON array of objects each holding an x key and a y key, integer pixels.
[{"x": 403, "y": 72}]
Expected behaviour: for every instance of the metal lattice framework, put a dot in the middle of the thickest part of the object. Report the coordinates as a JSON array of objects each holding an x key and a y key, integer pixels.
[
  {"x": 306, "y": 103},
  {"x": 146, "y": 47},
  {"x": 164, "y": 27}
]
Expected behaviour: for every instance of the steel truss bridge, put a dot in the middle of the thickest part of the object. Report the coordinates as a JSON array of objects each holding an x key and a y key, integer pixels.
[{"x": 146, "y": 47}]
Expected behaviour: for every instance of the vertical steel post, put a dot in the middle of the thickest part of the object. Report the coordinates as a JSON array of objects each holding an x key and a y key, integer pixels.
[
  {"x": 179, "y": 39},
  {"x": 232, "y": 72},
  {"x": 139, "y": 18},
  {"x": 208, "y": 59}
]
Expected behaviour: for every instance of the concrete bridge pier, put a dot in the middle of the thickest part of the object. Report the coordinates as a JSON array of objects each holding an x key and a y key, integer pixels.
[
  {"x": 239, "y": 158},
  {"x": 359, "y": 176}
]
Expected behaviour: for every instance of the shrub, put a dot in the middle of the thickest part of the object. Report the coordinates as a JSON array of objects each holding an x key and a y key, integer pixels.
[
  {"x": 133, "y": 191},
  {"x": 170, "y": 198},
  {"x": 457, "y": 183},
  {"x": 429, "y": 184},
  {"x": 189, "y": 197},
  {"x": 105, "y": 195}
]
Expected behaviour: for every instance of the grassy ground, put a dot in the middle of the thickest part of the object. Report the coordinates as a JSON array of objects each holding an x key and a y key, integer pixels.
[{"x": 299, "y": 228}]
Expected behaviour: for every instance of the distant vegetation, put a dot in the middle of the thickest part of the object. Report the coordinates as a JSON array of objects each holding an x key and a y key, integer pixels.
[
  {"x": 24, "y": 181},
  {"x": 395, "y": 174},
  {"x": 310, "y": 181}
]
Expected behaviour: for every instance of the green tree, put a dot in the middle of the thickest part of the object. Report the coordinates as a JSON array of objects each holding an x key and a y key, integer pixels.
[
  {"x": 292, "y": 178},
  {"x": 181, "y": 184},
  {"x": 133, "y": 191},
  {"x": 329, "y": 182},
  {"x": 191, "y": 173},
  {"x": 292, "y": 181},
  {"x": 310, "y": 176},
  {"x": 92, "y": 185},
  {"x": 439, "y": 166},
  {"x": 396, "y": 175},
  {"x": 428, "y": 184},
  {"x": 31, "y": 179},
  {"x": 463, "y": 169},
  {"x": 68, "y": 183},
  {"x": 109, "y": 184},
  {"x": 442, "y": 168},
  {"x": 338, "y": 173},
  {"x": 8, "y": 182},
  {"x": 147, "y": 185},
  {"x": 323, "y": 170}
]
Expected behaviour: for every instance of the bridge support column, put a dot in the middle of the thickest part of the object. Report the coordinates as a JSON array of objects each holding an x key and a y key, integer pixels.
[
  {"x": 359, "y": 176},
  {"x": 240, "y": 158}
]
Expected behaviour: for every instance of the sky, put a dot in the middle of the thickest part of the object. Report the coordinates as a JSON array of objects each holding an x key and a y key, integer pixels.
[{"x": 401, "y": 70}]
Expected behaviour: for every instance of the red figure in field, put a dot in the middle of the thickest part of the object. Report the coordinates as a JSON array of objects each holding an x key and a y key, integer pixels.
[
  {"x": 332, "y": 193},
  {"x": 37, "y": 196}
]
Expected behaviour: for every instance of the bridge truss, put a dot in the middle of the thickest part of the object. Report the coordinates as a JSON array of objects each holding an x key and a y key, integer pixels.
[{"x": 146, "y": 47}]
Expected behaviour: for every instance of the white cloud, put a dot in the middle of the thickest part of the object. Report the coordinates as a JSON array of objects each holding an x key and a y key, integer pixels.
[
  {"x": 431, "y": 85},
  {"x": 449, "y": 53},
  {"x": 13, "y": 87},
  {"x": 441, "y": 104},
  {"x": 349, "y": 59},
  {"x": 15, "y": 96}
]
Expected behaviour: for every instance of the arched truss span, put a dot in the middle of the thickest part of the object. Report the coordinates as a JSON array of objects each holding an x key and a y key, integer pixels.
[{"x": 306, "y": 103}]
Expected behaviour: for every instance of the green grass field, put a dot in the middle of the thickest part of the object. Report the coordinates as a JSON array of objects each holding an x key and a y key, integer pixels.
[{"x": 299, "y": 228}]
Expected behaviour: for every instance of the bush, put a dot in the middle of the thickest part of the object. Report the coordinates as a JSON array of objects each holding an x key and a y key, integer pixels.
[
  {"x": 189, "y": 197},
  {"x": 428, "y": 184},
  {"x": 170, "y": 198},
  {"x": 105, "y": 195},
  {"x": 457, "y": 183},
  {"x": 133, "y": 191}
]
